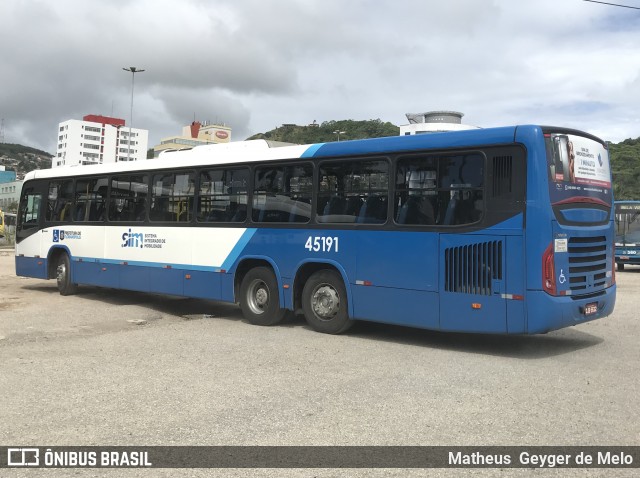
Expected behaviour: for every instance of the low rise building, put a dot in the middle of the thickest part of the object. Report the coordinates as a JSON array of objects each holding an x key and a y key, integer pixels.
[
  {"x": 6, "y": 176},
  {"x": 10, "y": 194},
  {"x": 195, "y": 134}
]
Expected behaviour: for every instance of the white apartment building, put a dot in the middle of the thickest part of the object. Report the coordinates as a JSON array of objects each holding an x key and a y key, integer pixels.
[{"x": 99, "y": 139}]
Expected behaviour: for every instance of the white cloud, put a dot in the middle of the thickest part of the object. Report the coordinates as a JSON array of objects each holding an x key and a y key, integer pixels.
[{"x": 256, "y": 64}]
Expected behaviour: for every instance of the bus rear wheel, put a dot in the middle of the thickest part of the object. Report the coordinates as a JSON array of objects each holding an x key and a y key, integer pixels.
[
  {"x": 259, "y": 298},
  {"x": 63, "y": 276},
  {"x": 324, "y": 301}
]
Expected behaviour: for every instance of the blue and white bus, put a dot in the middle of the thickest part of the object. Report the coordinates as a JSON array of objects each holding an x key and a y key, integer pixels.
[
  {"x": 503, "y": 230},
  {"x": 627, "y": 223}
]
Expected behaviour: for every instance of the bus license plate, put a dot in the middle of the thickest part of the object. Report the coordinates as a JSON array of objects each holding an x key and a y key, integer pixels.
[{"x": 591, "y": 309}]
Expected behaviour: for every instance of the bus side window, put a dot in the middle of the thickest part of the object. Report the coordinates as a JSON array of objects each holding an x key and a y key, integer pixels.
[
  {"x": 128, "y": 198},
  {"x": 416, "y": 196},
  {"x": 172, "y": 197},
  {"x": 183, "y": 194},
  {"x": 60, "y": 201},
  {"x": 161, "y": 191},
  {"x": 463, "y": 176},
  {"x": 90, "y": 199},
  {"x": 283, "y": 194},
  {"x": 353, "y": 191}
]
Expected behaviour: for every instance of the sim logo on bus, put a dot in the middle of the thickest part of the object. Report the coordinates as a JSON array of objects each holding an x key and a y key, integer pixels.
[{"x": 132, "y": 239}]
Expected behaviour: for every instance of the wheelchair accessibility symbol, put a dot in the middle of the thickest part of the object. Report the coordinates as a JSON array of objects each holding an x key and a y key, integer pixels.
[{"x": 561, "y": 278}]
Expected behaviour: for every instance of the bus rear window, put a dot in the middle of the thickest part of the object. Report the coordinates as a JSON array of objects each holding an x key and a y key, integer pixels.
[{"x": 578, "y": 169}]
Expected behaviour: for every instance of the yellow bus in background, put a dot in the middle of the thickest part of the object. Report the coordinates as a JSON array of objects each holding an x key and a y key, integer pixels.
[{"x": 7, "y": 225}]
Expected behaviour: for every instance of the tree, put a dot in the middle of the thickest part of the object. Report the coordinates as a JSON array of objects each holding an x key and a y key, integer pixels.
[
  {"x": 326, "y": 132},
  {"x": 625, "y": 168}
]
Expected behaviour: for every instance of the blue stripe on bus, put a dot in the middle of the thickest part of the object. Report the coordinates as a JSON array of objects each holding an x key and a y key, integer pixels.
[
  {"x": 238, "y": 248},
  {"x": 311, "y": 151}
]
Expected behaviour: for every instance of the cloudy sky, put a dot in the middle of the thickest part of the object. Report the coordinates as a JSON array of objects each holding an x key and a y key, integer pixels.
[{"x": 255, "y": 64}]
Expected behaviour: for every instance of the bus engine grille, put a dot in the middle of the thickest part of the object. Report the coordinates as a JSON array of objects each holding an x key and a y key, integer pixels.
[
  {"x": 471, "y": 269},
  {"x": 587, "y": 264}
]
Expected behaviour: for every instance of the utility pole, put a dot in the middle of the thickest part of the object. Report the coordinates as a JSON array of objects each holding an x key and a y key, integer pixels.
[{"x": 133, "y": 71}]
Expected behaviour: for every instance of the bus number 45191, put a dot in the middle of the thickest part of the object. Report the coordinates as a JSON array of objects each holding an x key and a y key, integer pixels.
[{"x": 321, "y": 244}]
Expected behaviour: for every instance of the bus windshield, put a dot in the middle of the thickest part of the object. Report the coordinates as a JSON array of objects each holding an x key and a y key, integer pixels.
[
  {"x": 578, "y": 169},
  {"x": 627, "y": 223}
]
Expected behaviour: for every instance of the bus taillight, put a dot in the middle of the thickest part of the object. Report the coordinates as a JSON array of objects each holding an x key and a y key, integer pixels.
[{"x": 548, "y": 271}]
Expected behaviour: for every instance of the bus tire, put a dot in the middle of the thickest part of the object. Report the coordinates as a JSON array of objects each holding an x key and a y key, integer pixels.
[
  {"x": 63, "y": 276},
  {"x": 324, "y": 301},
  {"x": 260, "y": 299}
]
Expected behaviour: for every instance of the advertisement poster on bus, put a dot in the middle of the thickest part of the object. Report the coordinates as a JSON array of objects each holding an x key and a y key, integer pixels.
[{"x": 578, "y": 167}]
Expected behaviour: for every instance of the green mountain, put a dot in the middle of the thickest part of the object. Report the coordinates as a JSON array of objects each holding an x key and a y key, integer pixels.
[
  {"x": 625, "y": 167},
  {"x": 327, "y": 131},
  {"x": 23, "y": 159}
]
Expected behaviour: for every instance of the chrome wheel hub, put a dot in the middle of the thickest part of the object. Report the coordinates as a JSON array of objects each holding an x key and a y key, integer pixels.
[
  {"x": 325, "y": 302},
  {"x": 61, "y": 273},
  {"x": 258, "y": 297}
]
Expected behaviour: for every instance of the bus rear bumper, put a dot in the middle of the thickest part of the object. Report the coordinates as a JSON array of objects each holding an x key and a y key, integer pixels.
[{"x": 546, "y": 312}]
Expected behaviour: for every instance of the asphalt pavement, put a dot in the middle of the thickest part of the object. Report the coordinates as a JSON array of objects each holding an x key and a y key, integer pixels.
[{"x": 107, "y": 367}]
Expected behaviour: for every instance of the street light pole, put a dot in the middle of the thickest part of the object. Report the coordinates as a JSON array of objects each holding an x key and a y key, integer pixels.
[
  {"x": 133, "y": 71},
  {"x": 338, "y": 132}
]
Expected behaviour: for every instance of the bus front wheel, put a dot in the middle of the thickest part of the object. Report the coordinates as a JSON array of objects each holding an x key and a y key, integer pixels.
[
  {"x": 63, "y": 276},
  {"x": 324, "y": 301},
  {"x": 259, "y": 297}
]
